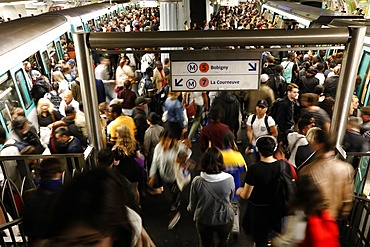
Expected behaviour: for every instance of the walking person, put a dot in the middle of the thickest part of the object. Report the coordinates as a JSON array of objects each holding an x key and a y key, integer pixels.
[{"x": 212, "y": 215}]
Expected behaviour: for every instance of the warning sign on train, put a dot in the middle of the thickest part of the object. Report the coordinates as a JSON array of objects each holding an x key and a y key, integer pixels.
[{"x": 215, "y": 70}]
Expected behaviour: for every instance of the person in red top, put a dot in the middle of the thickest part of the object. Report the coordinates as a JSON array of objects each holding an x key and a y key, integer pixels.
[
  {"x": 312, "y": 224},
  {"x": 213, "y": 133}
]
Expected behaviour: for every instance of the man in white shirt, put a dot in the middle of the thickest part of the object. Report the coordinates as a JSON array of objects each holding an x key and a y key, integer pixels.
[
  {"x": 68, "y": 100},
  {"x": 260, "y": 124}
]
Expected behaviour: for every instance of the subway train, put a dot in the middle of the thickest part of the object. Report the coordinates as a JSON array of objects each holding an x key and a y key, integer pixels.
[
  {"x": 38, "y": 39},
  {"x": 290, "y": 15}
]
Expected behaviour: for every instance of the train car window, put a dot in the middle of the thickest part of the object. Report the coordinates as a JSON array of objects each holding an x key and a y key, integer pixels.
[
  {"x": 9, "y": 99},
  {"x": 23, "y": 89},
  {"x": 59, "y": 47},
  {"x": 52, "y": 54},
  {"x": 39, "y": 65},
  {"x": 47, "y": 62},
  {"x": 364, "y": 72}
]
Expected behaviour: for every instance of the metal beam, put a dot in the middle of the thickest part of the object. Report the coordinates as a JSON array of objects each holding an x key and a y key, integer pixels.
[
  {"x": 346, "y": 84},
  {"x": 219, "y": 38},
  {"x": 88, "y": 89}
]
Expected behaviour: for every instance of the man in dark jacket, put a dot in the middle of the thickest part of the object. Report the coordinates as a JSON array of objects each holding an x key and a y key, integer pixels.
[
  {"x": 69, "y": 119},
  {"x": 40, "y": 87},
  {"x": 308, "y": 82},
  {"x": 284, "y": 110},
  {"x": 139, "y": 116},
  {"x": 277, "y": 82},
  {"x": 71, "y": 143},
  {"x": 228, "y": 106}
]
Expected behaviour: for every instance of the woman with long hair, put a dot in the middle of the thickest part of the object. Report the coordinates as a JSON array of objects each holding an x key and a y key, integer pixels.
[
  {"x": 211, "y": 194},
  {"x": 125, "y": 151},
  {"x": 46, "y": 114}
]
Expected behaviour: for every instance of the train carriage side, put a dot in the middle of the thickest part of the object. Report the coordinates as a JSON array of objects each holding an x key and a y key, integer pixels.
[
  {"x": 23, "y": 39},
  {"x": 80, "y": 17}
]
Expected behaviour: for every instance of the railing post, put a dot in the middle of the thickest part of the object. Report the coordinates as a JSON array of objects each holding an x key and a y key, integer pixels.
[
  {"x": 88, "y": 89},
  {"x": 346, "y": 84}
]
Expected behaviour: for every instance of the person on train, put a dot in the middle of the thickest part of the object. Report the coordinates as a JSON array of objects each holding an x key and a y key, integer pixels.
[
  {"x": 63, "y": 84},
  {"x": 24, "y": 135},
  {"x": 9, "y": 149},
  {"x": 140, "y": 118},
  {"x": 252, "y": 97},
  {"x": 67, "y": 143},
  {"x": 68, "y": 100},
  {"x": 159, "y": 79},
  {"x": 284, "y": 111},
  {"x": 228, "y": 106},
  {"x": 308, "y": 82},
  {"x": 117, "y": 119},
  {"x": 309, "y": 102},
  {"x": 80, "y": 121},
  {"x": 353, "y": 141},
  {"x": 333, "y": 176},
  {"x": 291, "y": 68},
  {"x": 38, "y": 202},
  {"x": 365, "y": 115},
  {"x": 128, "y": 97},
  {"x": 277, "y": 82},
  {"x": 75, "y": 131},
  {"x": 212, "y": 134}
]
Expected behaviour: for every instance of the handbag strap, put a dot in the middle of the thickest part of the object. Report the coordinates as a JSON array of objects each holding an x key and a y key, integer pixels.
[{"x": 213, "y": 193}]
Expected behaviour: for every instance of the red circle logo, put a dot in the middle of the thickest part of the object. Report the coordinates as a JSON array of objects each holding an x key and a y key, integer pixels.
[
  {"x": 203, "y": 67},
  {"x": 203, "y": 82}
]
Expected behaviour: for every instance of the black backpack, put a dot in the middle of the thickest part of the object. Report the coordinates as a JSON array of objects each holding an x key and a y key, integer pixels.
[
  {"x": 274, "y": 108},
  {"x": 284, "y": 189},
  {"x": 266, "y": 122}
]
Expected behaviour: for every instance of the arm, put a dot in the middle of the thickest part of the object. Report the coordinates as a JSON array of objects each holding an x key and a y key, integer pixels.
[
  {"x": 250, "y": 133},
  {"x": 245, "y": 192},
  {"x": 193, "y": 197},
  {"x": 205, "y": 98},
  {"x": 274, "y": 131}
]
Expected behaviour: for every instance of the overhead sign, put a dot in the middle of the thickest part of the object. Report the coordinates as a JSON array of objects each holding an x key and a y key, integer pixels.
[
  {"x": 215, "y": 70},
  {"x": 229, "y": 2},
  {"x": 148, "y": 3}
]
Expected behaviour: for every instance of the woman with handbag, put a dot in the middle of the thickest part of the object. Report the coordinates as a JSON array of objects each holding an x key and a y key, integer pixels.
[{"x": 210, "y": 200}]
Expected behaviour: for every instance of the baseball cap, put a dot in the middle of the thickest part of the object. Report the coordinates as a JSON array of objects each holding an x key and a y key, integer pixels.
[
  {"x": 262, "y": 103},
  {"x": 264, "y": 78},
  {"x": 142, "y": 101}
]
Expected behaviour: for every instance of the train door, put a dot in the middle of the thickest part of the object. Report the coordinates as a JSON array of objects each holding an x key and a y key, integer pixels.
[
  {"x": 364, "y": 72},
  {"x": 14, "y": 92},
  {"x": 59, "y": 49},
  {"x": 46, "y": 63},
  {"x": 53, "y": 56}
]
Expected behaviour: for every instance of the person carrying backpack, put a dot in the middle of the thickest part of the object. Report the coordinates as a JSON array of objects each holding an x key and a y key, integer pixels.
[
  {"x": 260, "y": 124},
  {"x": 268, "y": 183}
]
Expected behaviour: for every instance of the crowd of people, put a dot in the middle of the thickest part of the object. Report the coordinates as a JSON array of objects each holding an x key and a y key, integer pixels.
[{"x": 148, "y": 132}]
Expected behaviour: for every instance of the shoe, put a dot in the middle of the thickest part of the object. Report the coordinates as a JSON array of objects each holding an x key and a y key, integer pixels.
[
  {"x": 174, "y": 221},
  {"x": 193, "y": 139}
]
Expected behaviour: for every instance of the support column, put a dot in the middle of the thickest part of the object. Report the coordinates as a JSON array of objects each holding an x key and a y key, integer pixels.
[
  {"x": 169, "y": 18},
  {"x": 88, "y": 90},
  {"x": 168, "y": 15},
  {"x": 346, "y": 85}
]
